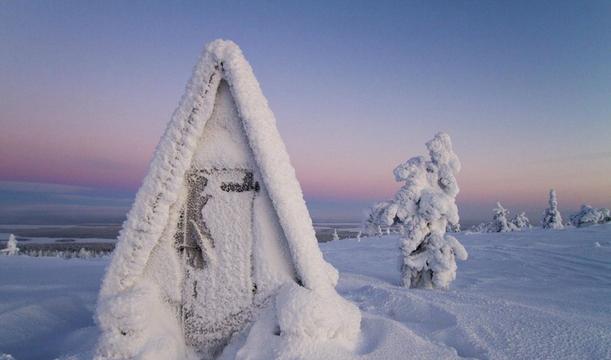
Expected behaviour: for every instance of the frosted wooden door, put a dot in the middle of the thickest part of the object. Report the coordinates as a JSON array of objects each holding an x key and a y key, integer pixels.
[{"x": 214, "y": 240}]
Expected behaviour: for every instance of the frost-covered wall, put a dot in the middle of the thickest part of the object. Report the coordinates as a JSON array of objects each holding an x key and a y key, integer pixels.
[
  {"x": 424, "y": 208},
  {"x": 217, "y": 229}
]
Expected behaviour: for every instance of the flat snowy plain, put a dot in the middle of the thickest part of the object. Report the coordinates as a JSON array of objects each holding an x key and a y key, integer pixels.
[{"x": 524, "y": 295}]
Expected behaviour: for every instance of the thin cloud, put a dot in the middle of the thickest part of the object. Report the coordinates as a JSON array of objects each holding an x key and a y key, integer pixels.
[
  {"x": 600, "y": 155},
  {"x": 35, "y": 187}
]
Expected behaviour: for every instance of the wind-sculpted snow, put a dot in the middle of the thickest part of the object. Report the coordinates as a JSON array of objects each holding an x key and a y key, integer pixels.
[
  {"x": 522, "y": 295},
  {"x": 217, "y": 228}
]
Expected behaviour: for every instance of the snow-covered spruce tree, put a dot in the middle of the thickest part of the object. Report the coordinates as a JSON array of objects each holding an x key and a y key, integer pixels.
[
  {"x": 521, "y": 221},
  {"x": 453, "y": 228},
  {"x": 423, "y": 207},
  {"x": 588, "y": 215},
  {"x": 11, "y": 246},
  {"x": 500, "y": 223},
  {"x": 551, "y": 216},
  {"x": 371, "y": 225},
  {"x": 335, "y": 235},
  {"x": 480, "y": 228}
]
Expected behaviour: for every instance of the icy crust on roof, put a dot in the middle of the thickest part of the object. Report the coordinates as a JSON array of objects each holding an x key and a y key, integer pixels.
[{"x": 136, "y": 306}]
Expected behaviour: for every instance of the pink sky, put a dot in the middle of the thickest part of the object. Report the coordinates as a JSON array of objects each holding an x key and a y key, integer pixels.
[{"x": 85, "y": 93}]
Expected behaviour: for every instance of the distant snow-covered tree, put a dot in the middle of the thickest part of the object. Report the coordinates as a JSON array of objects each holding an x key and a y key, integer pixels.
[
  {"x": 401, "y": 229},
  {"x": 588, "y": 215},
  {"x": 521, "y": 221},
  {"x": 500, "y": 222},
  {"x": 371, "y": 225},
  {"x": 480, "y": 228},
  {"x": 551, "y": 216},
  {"x": 335, "y": 235},
  {"x": 453, "y": 228},
  {"x": 84, "y": 254},
  {"x": 423, "y": 207},
  {"x": 11, "y": 246}
]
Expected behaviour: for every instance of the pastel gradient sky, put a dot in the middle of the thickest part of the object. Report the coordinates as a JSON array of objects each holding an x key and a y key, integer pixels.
[{"x": 523, "y": 88}]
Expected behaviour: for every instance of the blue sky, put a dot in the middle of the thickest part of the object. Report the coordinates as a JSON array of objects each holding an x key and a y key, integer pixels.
[{"x": 523, "y": 88}]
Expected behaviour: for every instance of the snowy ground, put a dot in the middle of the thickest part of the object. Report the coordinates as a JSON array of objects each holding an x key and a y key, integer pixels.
[{"x": 529, "y": 295}]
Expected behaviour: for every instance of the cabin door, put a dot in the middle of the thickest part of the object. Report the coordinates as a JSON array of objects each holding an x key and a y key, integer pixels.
[{"x": 214, "y": 240}]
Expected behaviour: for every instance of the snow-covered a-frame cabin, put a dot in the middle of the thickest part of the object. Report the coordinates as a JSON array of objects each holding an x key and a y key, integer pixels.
[{"x": 219, "y": 240}]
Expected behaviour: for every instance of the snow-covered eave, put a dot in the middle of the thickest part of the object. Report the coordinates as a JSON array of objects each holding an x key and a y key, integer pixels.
[{"x": 149, "y": 215}]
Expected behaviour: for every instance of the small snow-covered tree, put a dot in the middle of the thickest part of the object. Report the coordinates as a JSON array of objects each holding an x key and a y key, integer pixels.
[
  {"x": 551, "y": 216},
  {"x": 401, "y": 229},
  {"x": 84, "y": 254},
  {"x": 521, "y": 221},
  {"x": 371, "y": 225},
  {"x": 588, "y": 215},
  {"x": 358, "y": 236},
  {"x": 423, "y": 207},
  {"x": 335, "y": 235},
  {"x": 480, "y": 228},
  {"x": 11, "y": 246},
  {"x": 453, "y": 228},
  {"x": 500, "y": 223}
]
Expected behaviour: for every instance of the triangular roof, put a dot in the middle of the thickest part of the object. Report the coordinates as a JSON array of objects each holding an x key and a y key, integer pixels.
[{"x": 146, "y": 221}]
